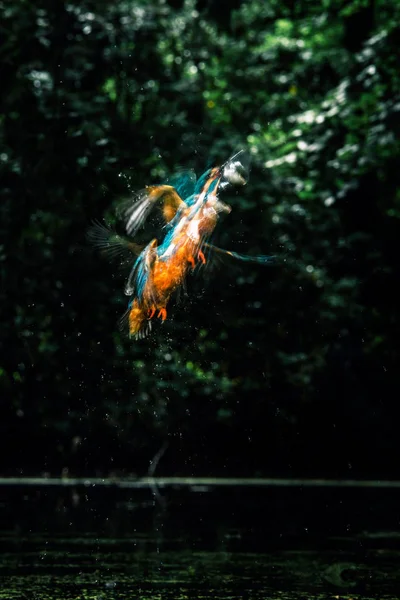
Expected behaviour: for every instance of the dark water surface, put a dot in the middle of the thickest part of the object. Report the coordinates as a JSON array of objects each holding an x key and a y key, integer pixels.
[{"x": 85, "y": 542}]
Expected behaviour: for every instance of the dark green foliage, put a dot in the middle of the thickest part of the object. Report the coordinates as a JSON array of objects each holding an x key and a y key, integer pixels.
[{"x": 276, "y": 370}]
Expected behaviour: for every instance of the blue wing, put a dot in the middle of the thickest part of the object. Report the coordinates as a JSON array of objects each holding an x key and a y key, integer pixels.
[
  {"x": 184, "y": 182},
  {"x": 201, "y": 182},
  {"x": 215, "y": 254},
  {"x": 141, "y": 271}
]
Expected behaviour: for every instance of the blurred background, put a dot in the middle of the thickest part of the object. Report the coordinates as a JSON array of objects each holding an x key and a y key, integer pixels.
[{"x": 286, "y": 371}]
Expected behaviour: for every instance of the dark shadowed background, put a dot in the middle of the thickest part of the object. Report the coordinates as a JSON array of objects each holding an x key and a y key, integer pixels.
[{"x": 286, "y": 371}]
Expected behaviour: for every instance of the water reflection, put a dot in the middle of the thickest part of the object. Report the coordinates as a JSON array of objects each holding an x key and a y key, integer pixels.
[{"x": 270, "y": 544}]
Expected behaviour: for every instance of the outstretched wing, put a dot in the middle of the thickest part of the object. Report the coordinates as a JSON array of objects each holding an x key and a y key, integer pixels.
[
  {"x": 215, "y": 257},
  {"x": 184, "y": 182},
  {"x": 111, "y": 244},
  {"x": 134, "y": 211}
]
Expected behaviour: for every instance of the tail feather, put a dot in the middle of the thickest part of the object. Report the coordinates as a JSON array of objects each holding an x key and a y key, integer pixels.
[{"x": 135, "y": 322}]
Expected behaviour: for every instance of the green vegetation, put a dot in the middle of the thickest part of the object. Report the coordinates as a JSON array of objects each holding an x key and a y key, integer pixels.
[{"x": 261, "y": 371}]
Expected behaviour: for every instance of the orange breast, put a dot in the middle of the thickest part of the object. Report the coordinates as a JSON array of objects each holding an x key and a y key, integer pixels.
[{"x": 169, "y": 274}]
